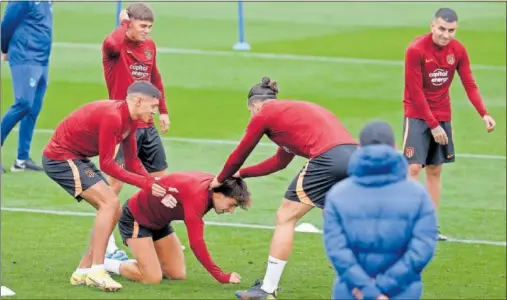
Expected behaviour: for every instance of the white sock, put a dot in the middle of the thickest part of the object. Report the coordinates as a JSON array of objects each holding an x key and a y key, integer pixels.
[
  {"x": 20, "y": 162},
  {"x": 111, "y": 244},
  {"x": 97, "y": 267},
  {"x": 112, "y": 265},
  {"x": 83, "y": 271},
  {"x": 273, "y": 274}
]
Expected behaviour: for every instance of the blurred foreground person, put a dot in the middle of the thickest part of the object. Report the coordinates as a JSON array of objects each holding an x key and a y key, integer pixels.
[{"x": 379, "y": 225}]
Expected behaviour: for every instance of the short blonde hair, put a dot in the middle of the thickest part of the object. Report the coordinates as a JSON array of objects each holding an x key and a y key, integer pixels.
[{"x": 140, "y": 11}]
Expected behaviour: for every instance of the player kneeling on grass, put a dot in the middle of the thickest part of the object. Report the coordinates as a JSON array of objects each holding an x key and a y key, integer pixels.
[
  {"x": 379, "y": 225},
  {"x": 299, "y": 128},
  {"x": 145, "y": 227},
  {"x": 95, "y": 129}
]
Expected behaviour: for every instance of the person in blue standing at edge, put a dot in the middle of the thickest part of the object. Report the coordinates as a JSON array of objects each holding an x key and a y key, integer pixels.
[
  {"x": 26, "y": 38},
  {"x": 379, "y": 225}
]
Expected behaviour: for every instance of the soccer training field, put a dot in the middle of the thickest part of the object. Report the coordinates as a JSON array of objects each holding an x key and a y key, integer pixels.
[{"x": 347, "y": 57}]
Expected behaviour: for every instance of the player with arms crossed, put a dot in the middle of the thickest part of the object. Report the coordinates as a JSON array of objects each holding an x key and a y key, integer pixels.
[
  {"x": 95, "y": 129},
  {"x": 431, "y": 61},
  {"x": 128, "y": 55},
  {"x": 145, "y": 227},
  {"x": 298, "y": 128}
]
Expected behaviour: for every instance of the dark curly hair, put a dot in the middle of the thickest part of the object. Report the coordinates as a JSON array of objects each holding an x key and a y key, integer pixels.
[{"x": 235, "y": 188}]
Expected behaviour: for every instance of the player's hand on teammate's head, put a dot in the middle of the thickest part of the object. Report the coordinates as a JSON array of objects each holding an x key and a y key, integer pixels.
[
  {"x": 124, "y": 15},
  {"x": 235, "y": 278},
  {"x": 164, "y": 123},
  {"x": 214, "y": 183},
  {"x": 489, "y": 122},
  {"x": 236, "y": 175},
  {"x": 439, "y": 135}
]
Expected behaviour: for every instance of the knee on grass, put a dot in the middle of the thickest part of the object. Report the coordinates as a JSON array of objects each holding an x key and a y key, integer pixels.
[
  {"x": 172, "y": 275},
  {"x": 154, "y": 277},
  {"x": 152, "y": 280}
]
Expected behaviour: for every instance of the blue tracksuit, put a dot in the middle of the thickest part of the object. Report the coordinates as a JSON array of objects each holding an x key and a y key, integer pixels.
[
  {"x": 379, "y": 228},
  {"x": 26, "y": 37}
]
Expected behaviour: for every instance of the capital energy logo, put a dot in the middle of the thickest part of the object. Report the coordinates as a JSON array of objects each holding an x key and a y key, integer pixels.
[
  {"x": 139, "y": 71},
  {"x": 439, "y": 77}
]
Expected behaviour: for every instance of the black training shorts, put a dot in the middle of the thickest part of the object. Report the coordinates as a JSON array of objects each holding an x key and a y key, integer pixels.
[
  {"x": 73, "y": 175},
  {"x": 130, "y": 229},
  {"x": 319, "y": 174},
  {"x": 150, "y": 150},
  {"x": 419, "y": 146}
]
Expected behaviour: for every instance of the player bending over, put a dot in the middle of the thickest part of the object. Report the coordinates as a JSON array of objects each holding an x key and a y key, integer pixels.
[
  {"x": 95, "y": 129},
  {"x": 145, "y": 227},
  {"x": 128, "y": 54},
  {"x": 431, "y": 61},
  {"x": 298, "y": 128}
]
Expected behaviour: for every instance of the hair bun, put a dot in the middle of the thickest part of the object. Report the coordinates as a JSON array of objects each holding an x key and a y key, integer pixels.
[{"x": 265, "y": 81}]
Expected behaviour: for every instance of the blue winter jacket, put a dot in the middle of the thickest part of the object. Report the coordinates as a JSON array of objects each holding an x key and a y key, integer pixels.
[
  {"x": 379, "y": 228},
  {"x": 27, "y": 32}
]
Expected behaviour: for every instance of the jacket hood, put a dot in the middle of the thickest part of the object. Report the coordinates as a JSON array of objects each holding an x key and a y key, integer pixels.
[{"x": 377, "y": 165}]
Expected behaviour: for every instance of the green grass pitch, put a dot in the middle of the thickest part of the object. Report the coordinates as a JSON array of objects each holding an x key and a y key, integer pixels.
[{"x": 345, "y": 56}]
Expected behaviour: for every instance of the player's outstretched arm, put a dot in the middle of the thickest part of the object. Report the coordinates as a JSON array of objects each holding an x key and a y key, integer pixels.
[
  {"x": 419, "y": 253},
  {"x": 251, "y": 138},
  {"x": 413, "y": 81},
  {"x": 195, "y": 229},
  {"x": 277, "y": 162},
  {"x": 342, "y": 257},
  {"x": 113, "y": 43},
  {"x": 468, "y": 81},
  {"x": 109, "y": 127},
  {"x": 472, "y": 90},
  {"x": 15, "y": 11},
  {"x": 132, "y": 162}
]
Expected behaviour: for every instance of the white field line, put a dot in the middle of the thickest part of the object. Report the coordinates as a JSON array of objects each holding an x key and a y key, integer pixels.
[
  {"x": 234, "y": 143},
  {"x": 275, "y": 56},
  {"x": 224, "y": 224}
]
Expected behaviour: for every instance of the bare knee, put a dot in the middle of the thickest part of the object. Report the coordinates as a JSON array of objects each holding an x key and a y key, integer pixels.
[
  {"x": 290, "y": 212},
  {"x": 283, "y": 218},
  {"x": 152, "y": 278},
  {"x": 433, "y": 171},
  {"x": 111, "y": 203},
  {"x": 102, "y": 197},
  {"x": 414, "y": 170},
  {"x": 176, "y": 275}
]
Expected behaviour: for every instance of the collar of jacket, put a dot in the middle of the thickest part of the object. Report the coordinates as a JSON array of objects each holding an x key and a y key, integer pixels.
[{"x": 377, "y": 165}]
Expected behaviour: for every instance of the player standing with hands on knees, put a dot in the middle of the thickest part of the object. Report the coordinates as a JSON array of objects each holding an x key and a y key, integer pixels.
[
  {"x": 431, "y": 61},
  {"x": 299, "y": 128},
  {"x": 95, "y": 129},
  {"x": 128, "y": 55}
]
